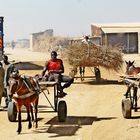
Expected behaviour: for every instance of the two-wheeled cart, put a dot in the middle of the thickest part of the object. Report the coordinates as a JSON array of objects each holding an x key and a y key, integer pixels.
[
  {"x": 60, "y": 105},
  {"x": 130, "y": 101}
]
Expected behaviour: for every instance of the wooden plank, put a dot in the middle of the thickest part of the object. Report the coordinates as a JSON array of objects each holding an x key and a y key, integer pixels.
[
  {"x": 47, "y": 83},
  {"x": 135, "y": 82},
  {"x": 130, "y": 76},
  {"x": 85, "y": 77}
]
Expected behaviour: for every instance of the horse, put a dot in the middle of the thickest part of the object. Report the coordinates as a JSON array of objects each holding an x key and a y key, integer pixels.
[
  {"x": 74, "y": 71},
  {"x": 131, "y": 69},
  {"x": 25, "y": 91}
]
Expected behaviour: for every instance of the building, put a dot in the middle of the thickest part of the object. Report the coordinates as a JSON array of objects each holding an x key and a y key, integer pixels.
[
  {"x": 126, "y": 36},
  {"x": 46, "y": 41},
  {"x": 22, "y": 43},
  {"x": 36, "y": 37}
]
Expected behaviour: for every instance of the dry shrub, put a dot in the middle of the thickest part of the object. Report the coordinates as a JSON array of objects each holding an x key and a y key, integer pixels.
[{"x": 79, "y": 54}]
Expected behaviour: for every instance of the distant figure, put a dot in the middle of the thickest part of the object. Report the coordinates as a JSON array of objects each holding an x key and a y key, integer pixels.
[
  {"x": 8, "y": 68},
  {"x": 13, "y": 45},
  {"x": 87, "y": 41},
  {"x": 1, "y": 81}
]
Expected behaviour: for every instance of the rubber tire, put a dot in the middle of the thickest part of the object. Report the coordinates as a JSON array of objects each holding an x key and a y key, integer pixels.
[
  {"x": 126, "y": 108},
  {"x": 12, "y": 111},
  {"x": 62, "y": 111}
]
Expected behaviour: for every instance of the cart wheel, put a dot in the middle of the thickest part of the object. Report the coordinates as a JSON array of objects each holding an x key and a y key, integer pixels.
[
  {"x": 12, "y": 111},
  {"x": 62, "y": 111},
  {"x": 126, "y": 108},
  {"x": 97, "y": 75}
]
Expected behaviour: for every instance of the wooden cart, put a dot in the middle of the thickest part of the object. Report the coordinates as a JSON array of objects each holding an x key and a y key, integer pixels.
[{"x": 130, "y": 101}]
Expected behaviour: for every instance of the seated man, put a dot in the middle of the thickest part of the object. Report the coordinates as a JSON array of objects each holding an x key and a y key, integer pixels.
[{"x": 55, "y": 68}]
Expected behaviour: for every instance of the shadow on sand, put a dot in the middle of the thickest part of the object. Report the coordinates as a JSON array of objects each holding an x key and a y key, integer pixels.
[
  {"x": 102, "y": 82},
  {"x": 69, "y": 128},
  {"x": 28, "y": 66}
]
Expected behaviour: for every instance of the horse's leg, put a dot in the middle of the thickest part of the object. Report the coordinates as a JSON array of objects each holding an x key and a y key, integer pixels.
[
  {"x": 1, "y": 92},
  {"x": 36, "y": 111},
  {"x": 80, "y": 68},
  {"x": 128, "y": 91},
  {"x": 73, "y": 72},
  {"x": 28, "y": 116},
  {"x": 83, "y": 72},
  {"x": 19, "y": 121},
  {"x": 32, "y": 114},
  {"x": 135, "y": 98}
]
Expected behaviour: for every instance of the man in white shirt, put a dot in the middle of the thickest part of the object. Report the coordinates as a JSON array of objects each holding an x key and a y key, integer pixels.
[{"x": 87, "y": 41}]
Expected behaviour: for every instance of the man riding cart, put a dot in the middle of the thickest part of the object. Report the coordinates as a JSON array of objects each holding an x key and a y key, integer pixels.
[{"x": 55, "y": 69}]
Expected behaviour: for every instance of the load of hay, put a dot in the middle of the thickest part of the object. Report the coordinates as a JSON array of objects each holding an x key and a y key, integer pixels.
[{"x": 79, "y": 54}]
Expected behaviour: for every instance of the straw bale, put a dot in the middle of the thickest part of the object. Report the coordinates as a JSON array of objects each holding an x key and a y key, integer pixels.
[{"x": 79, "y": 54}]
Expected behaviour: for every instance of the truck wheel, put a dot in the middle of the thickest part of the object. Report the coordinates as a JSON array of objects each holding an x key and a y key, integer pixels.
[
  {"x": 62, "y": 111},
  {"x": 126, "y": 108},
  {"x": 12, "y": 111}
]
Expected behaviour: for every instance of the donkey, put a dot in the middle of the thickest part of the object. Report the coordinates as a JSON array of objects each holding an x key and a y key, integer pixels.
[
  {"x": 74, "y": 71},
  {"x": 131, "y": 69}
]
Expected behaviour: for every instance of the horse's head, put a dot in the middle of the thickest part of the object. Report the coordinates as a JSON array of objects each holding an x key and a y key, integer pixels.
[
  {"x": 129, "y": 67},
  {"x": 13, "y": 82},
  {"x": 14, "y": 73}
]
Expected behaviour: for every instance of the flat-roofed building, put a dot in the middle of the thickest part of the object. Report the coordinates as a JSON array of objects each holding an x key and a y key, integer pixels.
[{"x": 123, "y": 35}]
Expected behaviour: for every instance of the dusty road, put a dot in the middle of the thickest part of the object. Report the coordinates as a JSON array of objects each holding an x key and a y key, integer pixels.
[{"x": 94, "y": 110}]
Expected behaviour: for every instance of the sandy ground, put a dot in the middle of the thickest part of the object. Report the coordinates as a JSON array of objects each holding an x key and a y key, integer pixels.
[{"x": 94, "y": 110}]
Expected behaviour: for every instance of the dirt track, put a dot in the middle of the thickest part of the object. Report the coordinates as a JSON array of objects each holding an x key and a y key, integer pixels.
[{"x": 94, "y": 110}]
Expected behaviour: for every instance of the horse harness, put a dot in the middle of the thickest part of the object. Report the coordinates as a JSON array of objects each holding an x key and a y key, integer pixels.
[{"x": 25, "y": 81}]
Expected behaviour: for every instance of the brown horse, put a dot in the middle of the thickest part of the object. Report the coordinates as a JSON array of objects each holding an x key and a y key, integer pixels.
[
  {"x": 25, "y": 91},
  {"x": 74, "y": 71},
  {"x": 131, "y": 69}
]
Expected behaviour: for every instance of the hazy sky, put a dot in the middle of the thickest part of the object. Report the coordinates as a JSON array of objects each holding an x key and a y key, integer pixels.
[{"x": 66, "y": 17}]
